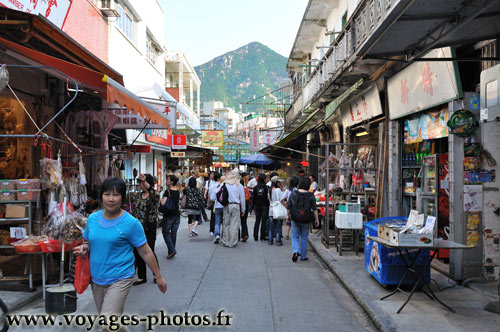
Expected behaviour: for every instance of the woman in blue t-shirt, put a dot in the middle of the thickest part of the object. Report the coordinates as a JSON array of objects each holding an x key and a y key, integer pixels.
[{"x": 110, "y": 238}]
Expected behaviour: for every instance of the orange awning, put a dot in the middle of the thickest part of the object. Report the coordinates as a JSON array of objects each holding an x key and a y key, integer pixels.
[{"x": 111, "y": 90}]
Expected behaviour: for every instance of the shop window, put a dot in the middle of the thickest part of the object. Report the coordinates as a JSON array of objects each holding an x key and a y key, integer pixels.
[
  {"x": 489, "y": 51},
  {"x": 152, "y": 50},
  {"x": 126, "y": 22}
]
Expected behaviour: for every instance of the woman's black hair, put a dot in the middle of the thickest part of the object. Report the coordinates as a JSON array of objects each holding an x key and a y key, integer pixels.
[
  {"x": 173, "y": 179},
  {"x": 294, "y": 182},
  {"x": 149, "y": 179},
  {"x": 192, "y": 182},
  {"x": 114, "y": 184},
  {"x": 304, "y": 183},
  {"x": 261, "y": 178},
  {"x": 216, "y": 176},
  {"x": 314, "y": 178},
  {"x": 242, "y": 182}
]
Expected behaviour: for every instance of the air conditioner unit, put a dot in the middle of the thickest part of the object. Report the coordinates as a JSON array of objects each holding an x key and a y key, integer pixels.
[{"x": 107, "y": 8}]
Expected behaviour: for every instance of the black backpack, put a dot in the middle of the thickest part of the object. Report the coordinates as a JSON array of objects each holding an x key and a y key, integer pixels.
[
  {"x": 302, "y": 210},
  {"x": 222, "y": 195}
]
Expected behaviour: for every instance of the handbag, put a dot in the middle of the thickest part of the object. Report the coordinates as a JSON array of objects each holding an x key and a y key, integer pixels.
[
  {"x": 184, "y": 201},
  {"x": 279, "y": 211}
]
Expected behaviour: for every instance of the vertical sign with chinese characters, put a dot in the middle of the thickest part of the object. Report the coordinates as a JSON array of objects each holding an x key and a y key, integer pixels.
[
  {"x": 254, "y": 141},
  {"x": 363, "y": 107},
  {"x": 268, "y": 138},
  {"x": 423, "y": 84}
]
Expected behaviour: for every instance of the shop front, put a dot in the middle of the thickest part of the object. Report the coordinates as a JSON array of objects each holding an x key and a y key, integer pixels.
[{"x": 425, "y": 161}]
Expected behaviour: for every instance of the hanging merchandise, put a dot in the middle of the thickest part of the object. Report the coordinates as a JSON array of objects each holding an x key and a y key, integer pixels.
[
  {"x": 51, "y": 172},
  {"x": 463, "y": 123}
]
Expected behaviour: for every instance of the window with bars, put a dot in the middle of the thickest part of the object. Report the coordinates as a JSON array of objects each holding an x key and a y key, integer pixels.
[
  {"x": 126, "y": 21},
  {"x": 152, "y": 50}
]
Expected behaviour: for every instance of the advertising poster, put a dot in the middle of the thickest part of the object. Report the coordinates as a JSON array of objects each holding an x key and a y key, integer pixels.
[
  {"x": 254, "y": 141},
  {"x": 430, "y": 125},
  {"x": 212, "y": 138}
]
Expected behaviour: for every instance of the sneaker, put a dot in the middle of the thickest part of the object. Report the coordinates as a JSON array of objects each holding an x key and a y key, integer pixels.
[
  {"x": 171, "y": 255},
  {"x": 211, "y": 234},
  {"x": 195, "y": 233},
  {"x": 279, "y": 243},
  {"x": 295, "y": 256},
  {"x": 287, "y": 237},
  {"x": 304, "y": 259},
  {"x": 270, "y": 242},
  {"x": 217, "y": 239}
]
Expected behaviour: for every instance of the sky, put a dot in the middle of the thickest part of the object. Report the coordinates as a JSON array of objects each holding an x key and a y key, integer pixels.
[{"x": 205, "y": 29}]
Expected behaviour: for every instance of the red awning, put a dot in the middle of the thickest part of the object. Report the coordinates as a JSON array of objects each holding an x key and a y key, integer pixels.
[{"x": 111, "y": 90}]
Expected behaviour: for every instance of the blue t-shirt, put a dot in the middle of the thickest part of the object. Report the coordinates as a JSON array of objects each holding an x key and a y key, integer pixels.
[{"x": 111, "y": 246}]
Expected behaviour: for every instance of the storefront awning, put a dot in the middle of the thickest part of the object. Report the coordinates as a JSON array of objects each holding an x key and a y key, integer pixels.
[
  {"x": 86, "y": 78},
  {"x": 334, "y": 105},
  {"x": 118, "y": 94}
]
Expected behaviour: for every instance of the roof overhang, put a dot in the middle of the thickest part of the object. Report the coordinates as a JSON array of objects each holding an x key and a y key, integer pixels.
[
  {"x": 313, "y": 23},
  {"x": 420, "y": 25}
]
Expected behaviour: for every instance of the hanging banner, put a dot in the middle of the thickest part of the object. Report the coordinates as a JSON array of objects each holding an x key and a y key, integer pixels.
[
  {"x": 53, "y": 10},
  {"x": 268, "y": 138},
  {"x": 423, "y": 85},
  {"x": 254, "y": 141},
  {"x": 179, "y": 142},
  {"x": 363, "y": 107},
  {"x": 429, "y": 125},
  {"x": 212, "y": 138}
]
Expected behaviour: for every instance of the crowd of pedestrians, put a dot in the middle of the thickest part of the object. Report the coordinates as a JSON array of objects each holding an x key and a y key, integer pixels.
[{"x": 121, "y": 244}]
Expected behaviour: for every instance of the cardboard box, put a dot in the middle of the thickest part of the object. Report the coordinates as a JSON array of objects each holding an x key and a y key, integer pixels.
[
  {"x": 384, "y": 232},
  {"x": 413, "y": 240},
  {"x": 346, "y": 220},
  {"x": 16, "y": 211}
]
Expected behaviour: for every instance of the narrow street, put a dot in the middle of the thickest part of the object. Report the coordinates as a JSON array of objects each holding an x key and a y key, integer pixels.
[{"x": 258, "y": 284}]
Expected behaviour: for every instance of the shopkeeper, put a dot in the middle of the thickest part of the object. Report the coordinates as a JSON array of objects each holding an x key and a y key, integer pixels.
[{"x": 110, "y": 237}]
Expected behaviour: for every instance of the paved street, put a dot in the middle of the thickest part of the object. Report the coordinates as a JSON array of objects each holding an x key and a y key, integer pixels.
[{"x": 256, "y": 283}]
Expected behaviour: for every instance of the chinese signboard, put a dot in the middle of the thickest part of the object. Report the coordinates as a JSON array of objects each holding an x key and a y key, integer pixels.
[
  {"x": 363, "y": 107},
  {"x": 169, "y": 112},
  {"x": 53, "y": 10},
  {"x": 177, "y": 154},
  {"x": 159, "y": 136},
  {"x": 179, "y": 142},
  {"x": 423, "y": 85},
  {"x": 212, "y": 138},
  {"x": 254, "y": 141},
  {"x": 129, "y": 120},
  {"x": 268, "y": 138}
]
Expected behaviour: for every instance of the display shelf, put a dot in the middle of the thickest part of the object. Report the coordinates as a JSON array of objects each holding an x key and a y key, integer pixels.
[
  {"x": 337, "y": 236},
  {"x": 419, "y": 166}
]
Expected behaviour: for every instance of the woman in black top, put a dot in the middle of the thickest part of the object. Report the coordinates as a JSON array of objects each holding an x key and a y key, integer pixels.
[
  {"x": 261, "y": 207},
  {"x": 171, "y": 219},
  {"x": 194, "y": 203}
]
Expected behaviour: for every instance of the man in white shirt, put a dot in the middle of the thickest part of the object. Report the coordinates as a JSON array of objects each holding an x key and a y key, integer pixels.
[
  {"x": 233, "y": 210},
  {"x": 252, "y": 183},
  {"x": 218, "y": 208}
]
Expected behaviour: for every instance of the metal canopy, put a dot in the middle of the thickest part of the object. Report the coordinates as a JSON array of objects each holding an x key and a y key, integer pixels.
[{"x": 424, "y": 24}]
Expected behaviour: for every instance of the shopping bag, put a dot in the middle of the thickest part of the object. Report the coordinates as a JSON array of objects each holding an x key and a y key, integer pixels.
[
  {"x": 82, "y": 274},
  {"x": 279, "y": 211}
]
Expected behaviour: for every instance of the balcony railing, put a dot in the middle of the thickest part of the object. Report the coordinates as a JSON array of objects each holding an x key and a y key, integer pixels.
[{"x": 368, "y": 17}]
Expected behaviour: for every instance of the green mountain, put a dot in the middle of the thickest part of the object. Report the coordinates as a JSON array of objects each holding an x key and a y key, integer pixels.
[{"x": 241, "y": 75}]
